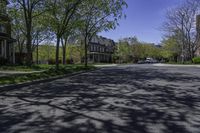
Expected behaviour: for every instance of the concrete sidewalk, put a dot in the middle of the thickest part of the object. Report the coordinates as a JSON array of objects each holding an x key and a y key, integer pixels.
[
  {"x": 106, "y": 65},
  {"x": 175, "y": 65}
]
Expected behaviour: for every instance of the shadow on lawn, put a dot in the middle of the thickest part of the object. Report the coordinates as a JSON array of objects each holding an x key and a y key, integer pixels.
[{"x": 105, "y": 101}]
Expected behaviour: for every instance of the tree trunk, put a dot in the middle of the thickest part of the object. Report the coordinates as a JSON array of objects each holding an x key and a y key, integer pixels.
[
  {"x": 64, "y": 51},
  {"x": 64, "y": 55},
  {"x": 28, "y": 19},
  {"x": 86, "y": 61},
  {"x": 29, "y": 58},
  {"x": 81, "y": 52},
  {"x": 57, "y": 52},
  {"x": 37, "y": 53}
]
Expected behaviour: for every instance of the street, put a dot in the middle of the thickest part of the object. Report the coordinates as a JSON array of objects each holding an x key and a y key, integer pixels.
[{"x": 117, "y": 99}]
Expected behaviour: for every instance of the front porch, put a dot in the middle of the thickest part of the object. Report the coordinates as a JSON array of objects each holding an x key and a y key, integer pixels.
[
  {"x": 7, "y": 50},
  {"x": 95, "y": 57}
]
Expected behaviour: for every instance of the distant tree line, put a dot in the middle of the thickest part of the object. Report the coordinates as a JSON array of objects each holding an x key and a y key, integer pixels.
[
  {"x": 180, "y": 43},
  {"x": 131, "y": 50}
]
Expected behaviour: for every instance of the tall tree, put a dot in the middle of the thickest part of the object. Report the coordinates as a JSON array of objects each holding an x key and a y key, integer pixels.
[
  {"x": 69, "y": 37},
  {"x": 171, "y": 48},
  {"x": 31, "y": 9},
  {"x": 123, "y": 52},
  {"x": 18, "y": 32},
  {"x": 181, "y": 22},
  {"x": 59, "y": 16},
  {"x": 99, "y": 15},
  {"x": 40, "y": 33}
]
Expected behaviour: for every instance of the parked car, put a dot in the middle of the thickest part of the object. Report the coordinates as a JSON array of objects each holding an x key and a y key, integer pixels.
[
  {"x": 141, "y": 62},
  {"x": 148, "y": 61}
]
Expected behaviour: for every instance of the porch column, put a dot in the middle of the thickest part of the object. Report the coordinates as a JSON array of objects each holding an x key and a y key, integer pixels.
[
  {"x": 5, "y": 49},
  {"x": 93, "y": 57},
  {"x": 107, "y": 58},
  {"x": 2, "y": 48},
  {"x": 10, "y": 50},
  {"x": 99, "y": 58},
  {"x": 13, "y": 53}
]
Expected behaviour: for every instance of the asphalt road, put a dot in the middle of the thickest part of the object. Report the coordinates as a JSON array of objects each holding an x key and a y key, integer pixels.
[{"x": 117, "y": 99}]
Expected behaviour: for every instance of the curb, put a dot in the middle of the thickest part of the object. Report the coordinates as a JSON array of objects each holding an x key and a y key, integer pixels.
[
  {"x": 176, "y": 65},
  {"x": 44, "y": 80}
]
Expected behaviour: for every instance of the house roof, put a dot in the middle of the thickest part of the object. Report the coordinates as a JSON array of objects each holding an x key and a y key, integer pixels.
[{"x": 102, "y": 41}]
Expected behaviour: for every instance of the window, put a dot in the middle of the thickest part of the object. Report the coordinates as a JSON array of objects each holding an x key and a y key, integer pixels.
[
  {"x": 91, "y": 47},
  {"x": 94, "y": 48},
  {"x": 2, "y": 29}
]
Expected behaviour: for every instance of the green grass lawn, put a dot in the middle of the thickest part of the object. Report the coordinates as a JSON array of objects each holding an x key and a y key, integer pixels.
[
  {"x": 26, "y": 68},
  {"x": 49, "y": 72}
]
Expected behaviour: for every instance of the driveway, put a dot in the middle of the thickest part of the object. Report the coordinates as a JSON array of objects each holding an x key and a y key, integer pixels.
[{"x": 117, "y": 99}]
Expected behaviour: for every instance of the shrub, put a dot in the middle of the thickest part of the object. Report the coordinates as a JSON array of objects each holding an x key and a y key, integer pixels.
[
  {"x": 70, "y": 61},
  {"x": 53, "y": 61},
  {"x": 196, "y": 60},
  {"x": 3, "y": 61}
]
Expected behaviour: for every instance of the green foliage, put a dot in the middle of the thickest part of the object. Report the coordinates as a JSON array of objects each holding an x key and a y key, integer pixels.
[
  {"x": 196, "y": 60},
  {"x": 144, "y": 50},
  {"x": 37, "y": 20},
  {"x": 26, "y": 13},
  {"x": 131, "y": 50},
  {"x": 180, "y": 25},
  {"x": 47, "y": 53},
  {"x": 171, "y": 49},
  {"x": 97, "y": 16},
  {"x": 123, "y": 52},
  {"x": 3, "y": 61}
]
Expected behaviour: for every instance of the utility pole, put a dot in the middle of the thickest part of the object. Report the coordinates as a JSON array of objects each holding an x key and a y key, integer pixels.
[{"x": 182, "y": 37}]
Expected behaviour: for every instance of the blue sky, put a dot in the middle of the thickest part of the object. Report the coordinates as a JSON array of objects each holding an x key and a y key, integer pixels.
[{"x": 144, "y": 19}]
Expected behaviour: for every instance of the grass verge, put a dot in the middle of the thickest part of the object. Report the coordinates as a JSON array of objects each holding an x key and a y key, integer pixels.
[
  {"x": 26, "y": 68},
  {"x": 48, "y": 73}
]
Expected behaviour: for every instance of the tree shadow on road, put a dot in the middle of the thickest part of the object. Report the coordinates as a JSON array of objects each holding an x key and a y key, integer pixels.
[{"x": 105, "y": 101}]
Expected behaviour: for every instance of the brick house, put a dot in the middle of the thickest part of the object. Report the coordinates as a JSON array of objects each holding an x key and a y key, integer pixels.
[
  {"x": 101, "y": 49},
  {"x": 7, "y": 50}
]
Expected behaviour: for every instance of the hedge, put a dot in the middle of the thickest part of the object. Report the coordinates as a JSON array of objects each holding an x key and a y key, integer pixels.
[{"x": 196, "y": 60}]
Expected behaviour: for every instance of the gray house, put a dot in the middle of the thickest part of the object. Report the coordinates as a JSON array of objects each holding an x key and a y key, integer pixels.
[
  {"x": 7, "y": 51},
  {"x": 101, "y": 50}
]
